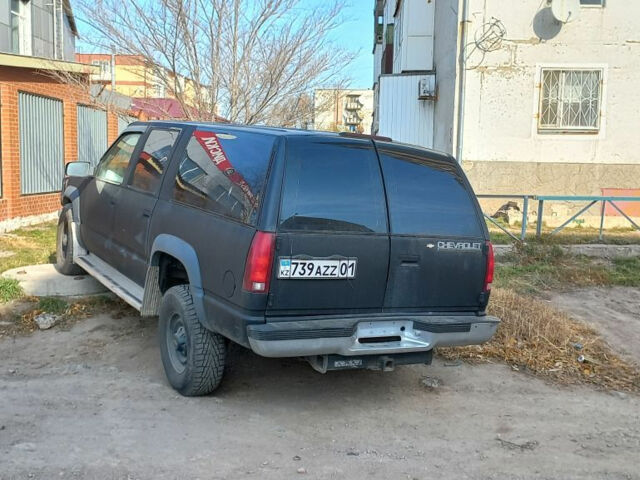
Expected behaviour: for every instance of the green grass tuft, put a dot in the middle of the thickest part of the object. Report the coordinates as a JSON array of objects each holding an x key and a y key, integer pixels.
[
  {"x": 10, "y": 289},
  {"x": 52, "y": 305}
]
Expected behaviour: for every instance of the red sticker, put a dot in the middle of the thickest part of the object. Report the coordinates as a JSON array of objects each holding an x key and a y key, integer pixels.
[{"x": 211, "y": 144}]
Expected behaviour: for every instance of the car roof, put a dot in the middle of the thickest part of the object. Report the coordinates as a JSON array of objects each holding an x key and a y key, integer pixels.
[{"x": 280, "y": 131}]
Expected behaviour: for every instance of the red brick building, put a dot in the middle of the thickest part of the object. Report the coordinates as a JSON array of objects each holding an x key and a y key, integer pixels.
[{"x": 40, "y": 117}]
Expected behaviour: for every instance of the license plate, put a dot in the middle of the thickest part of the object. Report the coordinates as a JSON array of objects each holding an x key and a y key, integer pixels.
[{"x": 316, "y": 268}]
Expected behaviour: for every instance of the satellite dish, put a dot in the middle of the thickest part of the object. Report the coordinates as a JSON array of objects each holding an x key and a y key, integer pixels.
[{"x": 565, "y": 11}]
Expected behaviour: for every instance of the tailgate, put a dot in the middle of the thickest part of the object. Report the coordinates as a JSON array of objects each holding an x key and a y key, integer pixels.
[{"x": 438, "y": 253}]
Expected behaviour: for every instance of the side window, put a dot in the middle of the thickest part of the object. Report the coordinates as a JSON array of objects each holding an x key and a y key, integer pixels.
[
  {"x": 153, "y": 160},
  {"x": 113, "y": 166},
  {"x": 332, "y": 186},
  {"x": 427, "y": 196},
  {"x": 224, "y": 173}
]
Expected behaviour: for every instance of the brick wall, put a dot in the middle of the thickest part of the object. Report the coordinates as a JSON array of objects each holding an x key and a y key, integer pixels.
[{"x": 13, "y": 80}]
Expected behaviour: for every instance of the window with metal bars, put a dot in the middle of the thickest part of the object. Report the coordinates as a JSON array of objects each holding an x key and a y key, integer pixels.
[{"x": 570, "y": 100}]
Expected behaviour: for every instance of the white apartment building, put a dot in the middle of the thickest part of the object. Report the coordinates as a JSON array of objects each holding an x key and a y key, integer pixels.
[
  {"x": 343, "y": 110},
  {"x": 528, "y": 102}
]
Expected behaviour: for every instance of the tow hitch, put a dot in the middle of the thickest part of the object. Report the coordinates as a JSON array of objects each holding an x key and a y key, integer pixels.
[{"x": 385, "y": 363}]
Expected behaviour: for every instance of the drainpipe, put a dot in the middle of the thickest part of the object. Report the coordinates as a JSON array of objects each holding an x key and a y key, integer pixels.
[{"x": 462, "y": 67}]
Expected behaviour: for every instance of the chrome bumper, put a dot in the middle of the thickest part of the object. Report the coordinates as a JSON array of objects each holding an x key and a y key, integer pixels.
[{"x": 374, "y": 337}]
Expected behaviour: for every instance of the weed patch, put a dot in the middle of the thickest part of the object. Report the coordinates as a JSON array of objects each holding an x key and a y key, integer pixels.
[{"x": 535, "y": 268}]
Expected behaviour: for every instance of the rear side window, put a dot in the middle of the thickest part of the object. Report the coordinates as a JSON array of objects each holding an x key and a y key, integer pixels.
[
  {"x": 153, "y": 160},
  {"x": 332, "y": 185},
  {"x": 427, "y": 196},
  {"x": 224, "y": 173}
]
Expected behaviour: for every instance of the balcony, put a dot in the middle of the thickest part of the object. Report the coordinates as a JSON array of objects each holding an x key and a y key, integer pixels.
[{"x": 352, "y": 120}]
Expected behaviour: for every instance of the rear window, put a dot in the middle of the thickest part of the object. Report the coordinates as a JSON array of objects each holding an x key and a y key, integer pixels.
[
  {"x": 427, "y": 196},
  {"x": 224, "y": 173},
  {"x": 332, "y": 185}
]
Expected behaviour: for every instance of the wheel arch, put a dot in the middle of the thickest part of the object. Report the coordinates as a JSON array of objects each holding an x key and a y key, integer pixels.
[
  {"x": 71, "y": 195},
  {"x": 183, "y": 252}
]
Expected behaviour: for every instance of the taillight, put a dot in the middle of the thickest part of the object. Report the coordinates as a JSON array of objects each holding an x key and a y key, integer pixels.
[
  {"x": 257, "y": 270},
  {"x": 491, "y": 263}
]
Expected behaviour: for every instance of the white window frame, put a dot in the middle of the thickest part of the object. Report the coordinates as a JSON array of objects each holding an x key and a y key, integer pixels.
[
  {"x": 574, "y": 132},
  {"x": 24, "y": 27},
  {"x": 105, "y": 69}
]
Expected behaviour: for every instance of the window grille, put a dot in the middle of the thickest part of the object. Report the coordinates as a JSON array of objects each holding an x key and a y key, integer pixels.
[{"x": 570, "y": 100}]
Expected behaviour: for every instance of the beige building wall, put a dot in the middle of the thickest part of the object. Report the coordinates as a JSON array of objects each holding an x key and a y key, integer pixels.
[
  {"x": 505, "y": 151},
  {"x": 343, "y": 110}
]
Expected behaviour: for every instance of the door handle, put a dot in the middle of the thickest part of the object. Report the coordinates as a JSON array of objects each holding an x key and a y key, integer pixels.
[{"x": 146, "y": 212}]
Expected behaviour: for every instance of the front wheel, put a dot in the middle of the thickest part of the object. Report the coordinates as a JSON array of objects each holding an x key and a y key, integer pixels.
[
  {"x": 193, "y": 357},
  {"x": 64, "y": 245}
]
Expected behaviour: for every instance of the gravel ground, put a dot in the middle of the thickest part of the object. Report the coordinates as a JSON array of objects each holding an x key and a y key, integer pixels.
[{"x": 92, "y": 402}]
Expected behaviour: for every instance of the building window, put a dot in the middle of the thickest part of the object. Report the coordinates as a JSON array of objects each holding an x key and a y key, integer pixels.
[
  {"x": 597, "y": 3},
  {"x": 570, "y": 100},
  {"x": 158, "y": 90},
  {"x": 105, "y": 68}
]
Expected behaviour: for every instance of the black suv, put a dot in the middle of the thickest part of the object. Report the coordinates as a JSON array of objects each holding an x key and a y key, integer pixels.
[{"x": 346, "y": 250}]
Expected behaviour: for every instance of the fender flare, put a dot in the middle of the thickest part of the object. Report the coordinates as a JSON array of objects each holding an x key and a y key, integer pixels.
[
  {"x": 185, "y": 253},
  {"x": 72, "y": 194}
]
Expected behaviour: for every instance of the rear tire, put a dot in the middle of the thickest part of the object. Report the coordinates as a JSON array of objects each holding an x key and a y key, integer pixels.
[
  {"x": 64, "y": 245},
  {"x": 193, "y": 357}
]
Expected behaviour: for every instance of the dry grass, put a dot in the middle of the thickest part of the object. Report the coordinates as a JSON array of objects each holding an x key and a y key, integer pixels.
[{"x": 537, "y": 338}]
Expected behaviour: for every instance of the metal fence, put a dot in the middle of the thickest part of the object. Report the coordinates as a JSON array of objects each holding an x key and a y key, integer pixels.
[
  {"x": 541, "y": 199},
  {"x": 92, "y": 134},
  {"x": 41, "y": 143}
]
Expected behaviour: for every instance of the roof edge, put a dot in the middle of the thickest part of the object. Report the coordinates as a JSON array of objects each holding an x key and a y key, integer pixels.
[{"x": 39, "y": 63}]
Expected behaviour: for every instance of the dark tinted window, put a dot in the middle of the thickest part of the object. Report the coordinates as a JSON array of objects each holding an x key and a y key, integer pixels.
[
  {"x": 153, "y": 160},
  {"x": 114, "y": 164},
  {"x": 224, "y": 173},
  {"x": 427, "y": 195},
  {"x": 332, "y": 185}
]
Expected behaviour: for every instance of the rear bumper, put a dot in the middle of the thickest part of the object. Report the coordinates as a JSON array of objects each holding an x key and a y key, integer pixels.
[{"x": 356, "y": 336}]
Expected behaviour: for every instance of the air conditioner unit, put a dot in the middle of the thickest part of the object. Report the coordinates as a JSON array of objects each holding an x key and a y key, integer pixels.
[{"x": 427, "y": 87}]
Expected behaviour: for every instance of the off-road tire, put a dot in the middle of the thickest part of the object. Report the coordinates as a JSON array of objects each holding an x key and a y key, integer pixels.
[
  {"x": 64, "y": 245},
  {"x": 199, "y": 369}
]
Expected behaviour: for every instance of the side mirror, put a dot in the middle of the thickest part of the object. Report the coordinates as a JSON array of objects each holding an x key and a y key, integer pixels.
[{"x": 77, "y": 169}]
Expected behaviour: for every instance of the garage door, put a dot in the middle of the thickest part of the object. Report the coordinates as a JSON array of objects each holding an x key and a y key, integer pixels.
[
  {"x": 41, "y": 143},
  {"x": 92, "y": 134}
]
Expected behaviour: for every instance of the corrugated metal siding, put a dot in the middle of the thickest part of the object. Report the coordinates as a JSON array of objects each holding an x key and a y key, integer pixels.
[
  {"x": 401, "y": 115},
  {"x": 41, "y": 143},
  {"x": 92, "y": 134}
]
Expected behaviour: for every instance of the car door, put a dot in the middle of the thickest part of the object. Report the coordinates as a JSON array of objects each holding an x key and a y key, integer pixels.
[
  {"x": 137, "y": 201},
  {"x": 332, "y": 245},
  {"x": 100, "y": 195},
  {"x": 438, "y": 251}
]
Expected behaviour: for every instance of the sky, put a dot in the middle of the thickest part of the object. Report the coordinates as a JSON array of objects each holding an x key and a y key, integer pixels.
[{"x": 356, "y": 35}]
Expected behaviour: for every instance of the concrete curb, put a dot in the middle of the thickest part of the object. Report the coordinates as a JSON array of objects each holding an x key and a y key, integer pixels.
[
  {"x": 45, "y": 281},
  {"x": 596, "y": 250}
]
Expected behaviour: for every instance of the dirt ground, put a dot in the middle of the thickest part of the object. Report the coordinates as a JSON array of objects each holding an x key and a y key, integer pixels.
[
  {"x": 92, "y": 402},
  {"x": 614, "y": 312}
]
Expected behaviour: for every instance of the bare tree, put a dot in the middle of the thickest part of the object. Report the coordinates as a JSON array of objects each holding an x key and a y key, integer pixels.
[{"x": 250, "y": 61}]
